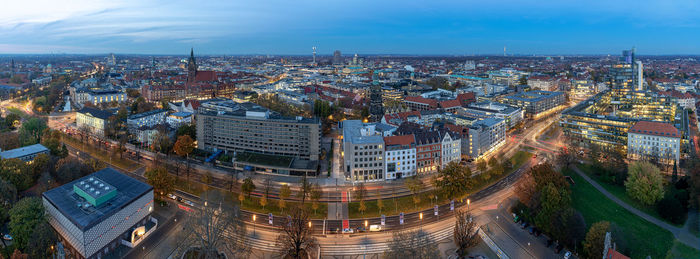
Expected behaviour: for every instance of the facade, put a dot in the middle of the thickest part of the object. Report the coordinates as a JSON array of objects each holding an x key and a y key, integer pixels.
[
  {"x": 92, "y": 120},
  {"x": 536, "y": 102},
  {"x": 417, "y": 103},
  {"x": 228, "y": 126},
  {"x": 99, "y": 212},
  {"x": 428, "y": 151},
  {"x": 451, "y": 148},
  {"x": 654, "y": 140},
  {"x": 483, "y": 110},
  {"x": 178, "y": 119},
  {"x": 363, "y": 151},
  {"x": 400, "y": 152},
  {"x": 105, "y": 96},
  {"x": 26, "y": 153},
  {"x": 146, "y": 119},
  {"x": 486, "y": 136}
]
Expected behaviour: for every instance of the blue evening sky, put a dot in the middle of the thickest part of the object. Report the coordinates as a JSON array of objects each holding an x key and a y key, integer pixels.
[{"x": 352, "y": 26}]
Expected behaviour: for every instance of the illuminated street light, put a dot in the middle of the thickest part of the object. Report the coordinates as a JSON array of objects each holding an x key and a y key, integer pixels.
[
  {"x": 254, "y": 224},
  {"x": 421, "y": 220}
]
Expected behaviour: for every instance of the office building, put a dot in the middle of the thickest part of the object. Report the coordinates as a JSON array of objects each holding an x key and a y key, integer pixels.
[
  {"x": 100, "y": 212},
  {"x": 536, "y": 103},
  {"x": 26, "y": 153},
  {"x": 400, "y": 154},
  {"x": 649, "y": 140},
  {"x": 363, "y": 151},
  {"x": 92, "y": 121},
  {"x": 486, "y": 136},
  {"x": 483, "y": 110},
  {"x": 178, "y": 119},
  {"x": 147, "y": 119},
  {"x": 337, "y": 58}
]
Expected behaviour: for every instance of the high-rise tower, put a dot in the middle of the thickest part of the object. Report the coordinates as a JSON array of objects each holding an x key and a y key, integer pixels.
[
  {"x": 337, "y": 58},
  {"x": 376, "y": 104},
  {"x": 314, "y": 53},
  {"x": 191, "y": 67}
]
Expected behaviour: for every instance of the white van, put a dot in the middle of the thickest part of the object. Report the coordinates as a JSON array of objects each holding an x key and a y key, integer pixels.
[{"x": 375, "y": 228}]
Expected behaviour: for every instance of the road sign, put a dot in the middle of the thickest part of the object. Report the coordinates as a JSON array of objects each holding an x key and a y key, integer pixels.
[
  {"x": 401, "y": 218},
  {"x": 436, "y": 210},
  {"x": 452, "y": 205},
  {"x": 383, "y": 220},
  {"x": 269, "y": 218}
]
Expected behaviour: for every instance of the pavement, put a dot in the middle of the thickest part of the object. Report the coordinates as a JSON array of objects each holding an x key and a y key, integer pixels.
[{"x": 682, "y": 234}]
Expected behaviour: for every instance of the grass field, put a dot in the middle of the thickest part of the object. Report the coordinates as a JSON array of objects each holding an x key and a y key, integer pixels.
[
  {"x": 642, "y": 237},
  {"x": 680, "y": 250},
  {"x": 406, "y": 205},
  {"x": 621, "y": 193}
]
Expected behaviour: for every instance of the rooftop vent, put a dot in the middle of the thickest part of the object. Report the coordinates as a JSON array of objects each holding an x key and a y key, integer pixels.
[{"x": 95, "y": 191}]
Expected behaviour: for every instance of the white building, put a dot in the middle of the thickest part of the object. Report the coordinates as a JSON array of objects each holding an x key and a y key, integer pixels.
[
  {"x": 654, "y": 140},
  {"x": 148, "y": 119},
  {"x": 400, "y": 153},
  {"x": 486, "y": 136},
  {"x": 363, "y": 151},
  {"x": 451, "y": 148},
  {"x": 178, "y": 119},
  {"x": 100, "y": 212}
]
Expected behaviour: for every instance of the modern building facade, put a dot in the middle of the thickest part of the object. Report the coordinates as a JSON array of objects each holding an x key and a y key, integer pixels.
[
  {"x": 146, "y": 119},
  {"x": 400, "y": 152},
  {"x": 485, "y": 136},
  {"x": 99, "y": 212},
  {"x": 536, "y": 102},
  {"x": 483, "y": 110},
  {"x": 363, "y": 151},
  {"x": 178, "y": 119}
]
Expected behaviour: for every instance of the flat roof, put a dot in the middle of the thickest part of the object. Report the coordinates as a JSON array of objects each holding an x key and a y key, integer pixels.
[
  {"x": 66, "y": 200},
  {"x": 23, "y": 151}
]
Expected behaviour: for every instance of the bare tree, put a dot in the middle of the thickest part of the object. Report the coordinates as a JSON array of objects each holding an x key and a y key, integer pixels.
[
  {"x": 466, "y": 230},
  {"x": 412, "y": 244},
  {"x": 296, "y": 240},
  {"x": 213, "y": 228}
]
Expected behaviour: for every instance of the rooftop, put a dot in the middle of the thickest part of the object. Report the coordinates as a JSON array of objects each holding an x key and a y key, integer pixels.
[
  {"x": 97, "y": 113},
  {"x": 23, "y": 151},
  {"x": 145, "y": 114},
  {"x": 533, "y": 96},
  {"x": 655, "y": 129},
  {"x": 399, "y": 140},
  {"x": 74, "y": 206}
]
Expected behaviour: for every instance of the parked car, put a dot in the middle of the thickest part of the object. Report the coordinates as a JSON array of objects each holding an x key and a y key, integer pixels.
[
  {"x": 7, "y": 237},
  {"x": 524, "y": 225},
  {"x": 361, "y": 229},
  {"x": 172, "y": 196},
  {"x": 531, "y": 230},
  {"x": 348, "y": 231},
  {"x": 189, "y": 203},
  {"x": 375, "y": 228},
  {"x": 567, "y": 255}
]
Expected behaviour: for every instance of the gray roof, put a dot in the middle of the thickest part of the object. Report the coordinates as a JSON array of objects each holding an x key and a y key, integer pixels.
[
  {"x": 97, "y": 113},
  {"x": 533, "y": 96},
  {"x": 66, "y": 200},
  {"x": 145, "y": 114},
  {"x": 489, "y": 122},
  {"x": 23, "y": 151},
  {"x": 351, "y": 132}
]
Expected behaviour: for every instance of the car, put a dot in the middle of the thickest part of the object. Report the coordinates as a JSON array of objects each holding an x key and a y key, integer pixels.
[
  {"x": 172, "y": 196},
  {"x": 7, "y": 237},
  {"x": 361, "y": 229},
  {"x": 189, "y": 203},
  {"x": 524, "y": 225},
  {"x": 567, "y": 255},
  {"x": 531, "y": 230},
  {"x": 348, "y": 231},
  {"x": 375, "y": 228}
]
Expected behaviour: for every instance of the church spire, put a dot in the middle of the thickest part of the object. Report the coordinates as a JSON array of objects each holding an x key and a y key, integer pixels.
[{"x": 191, "y": 67}]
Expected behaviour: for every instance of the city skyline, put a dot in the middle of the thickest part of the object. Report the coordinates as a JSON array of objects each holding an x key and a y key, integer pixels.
[{"x": 389, "y": 27}]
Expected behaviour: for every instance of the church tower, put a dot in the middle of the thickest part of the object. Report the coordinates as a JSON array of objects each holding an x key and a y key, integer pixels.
[{"x": 191, "y": 67}]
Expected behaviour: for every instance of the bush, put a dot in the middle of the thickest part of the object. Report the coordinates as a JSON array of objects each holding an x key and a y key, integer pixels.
[{"x": 671, "y": 209}]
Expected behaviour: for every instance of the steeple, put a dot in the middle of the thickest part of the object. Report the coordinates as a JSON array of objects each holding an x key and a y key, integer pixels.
[{"x": 191, "y": 67}]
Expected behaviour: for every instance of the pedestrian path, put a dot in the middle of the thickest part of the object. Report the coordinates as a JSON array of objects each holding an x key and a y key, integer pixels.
[{"x": 682, "y": 234}]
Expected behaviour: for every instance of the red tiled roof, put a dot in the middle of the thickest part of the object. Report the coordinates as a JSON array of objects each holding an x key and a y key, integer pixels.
[
  {"x": 206, "y": 76},
  {"x": 399, "y": 140},
  {"x": 449, "y": 104},
  {"x": 612, "y": 254},
  {"x": 655, "y": 129},
  {"x": 466, "y": 98},
  {"x": 461, "y": 130},
  {"x": 194, "y": 103},
  {"x": 418, "y": 99}
]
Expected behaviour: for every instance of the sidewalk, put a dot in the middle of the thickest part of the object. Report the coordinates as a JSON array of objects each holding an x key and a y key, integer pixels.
[{"x": 682, "y": 234}]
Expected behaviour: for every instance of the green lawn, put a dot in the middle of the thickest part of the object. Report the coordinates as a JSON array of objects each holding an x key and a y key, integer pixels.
[
  {"x": 680, "y": 250},
  {"x": 642, "y": 237},
  {"x": 621, "y": 193},
  {"x": 406, "y": 205}
]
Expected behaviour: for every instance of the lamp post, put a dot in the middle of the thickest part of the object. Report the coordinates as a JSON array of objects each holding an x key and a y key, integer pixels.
[
  {"x": 421, "y": 220},
  {"x": 366, "y": 229},
  {"x": 254, "y": 217},
  {"x": 310, "y": 226},
  {"x": 468, "y": 202}
]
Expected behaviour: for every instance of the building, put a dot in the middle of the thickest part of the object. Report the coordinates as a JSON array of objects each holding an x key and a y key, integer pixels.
[
  {"x": 648, "y": 140},
  {"x": 486, "y": 136},
  {"x": 451, "y": 148},
  {"x": 483, "y": 110},
  {"x": 428, "y": 151},
  {"x": 376, "y": 105},
  {"x": 147, "y": 119},
  {"x": 418, "y": 103},
  {"x": 337, "y": 58},
  {"x": 363, "y": 151},
  {"x": 26, "y": 153},
  {"x": 92, "y": 121},
  {"x": 97, "y": 97},
  {"x": 400, "y": 152},
  {"x": 178, "y": 119},
  {"x": 191, "y": 68},
  {"x": 536, "y": 103},
  {"x": 99, "y": 212}
]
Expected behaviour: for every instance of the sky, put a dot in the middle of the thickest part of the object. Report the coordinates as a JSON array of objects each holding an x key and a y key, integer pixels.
[{"x": 433, "y": 27}]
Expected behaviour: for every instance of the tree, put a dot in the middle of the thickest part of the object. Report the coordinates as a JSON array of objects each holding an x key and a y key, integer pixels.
[
  {"x": 183, "y": 147},
  {"x": 296, "y": 240},
  {"x": 380, "y": 202},
  {"x": 453, "y": 180},
  {"x": 674, "y": 177},
  {"x": 671, "y": 209},
  {"x": 161, "y": 181},
  {"x": 285, "y": 191},
  {"x": 248, "y": 186},
  {"x": 8, "y": 197},
  {"x": 544, "y": 174},
  {"x": 414, "y": 185},
  {"x": 39, "y": 165},
  {"x": 15, "y": 171},
  {"x": 11, "y": 120},
  {"x": 9, "y": 140},
  {"x": 574, "y": 228},
  {"x": 644, "y": 182},
  {"x": 359, "y": 195},
  {"x": 438, "y": 82},
  {"x": 162, "y": 142},
  {"x": 31, "y": 130},
  {"x": 315, "y": 196},
  {"x": 465, "y": 232},
  {"x": 552, "y": 200},
  {"x": 207, "y": 229},
  {"x": 68, "y": 169},
  {"x": 187, "y": 129},
  {"x": 304, "y": 188},
  {"x": 565, "y": 158},
  {"x": 593, "y": 244},
  {"x": 24, "y": 217},
  {"x": 481, "y": 165},
  {"x": 41, "y": 241},
  {"x": 411, "y": 244},
  {"x": 525, "y": 189}
]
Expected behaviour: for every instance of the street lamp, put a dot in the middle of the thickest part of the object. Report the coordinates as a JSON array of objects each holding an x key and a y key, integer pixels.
[
  {"x": 366, "y": 230},
  {"x": 421, "y": 220},
  {"x": 468, "y": 202},
  {"x": 254, "y": 224}
]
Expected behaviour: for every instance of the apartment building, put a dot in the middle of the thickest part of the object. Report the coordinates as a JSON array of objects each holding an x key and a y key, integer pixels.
[
  {"x": 363, "y": 151},
  {"x": 485, "y": 136},
  {"x": 649, "y": 140},
  {"x": 400, "y": 152}
]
